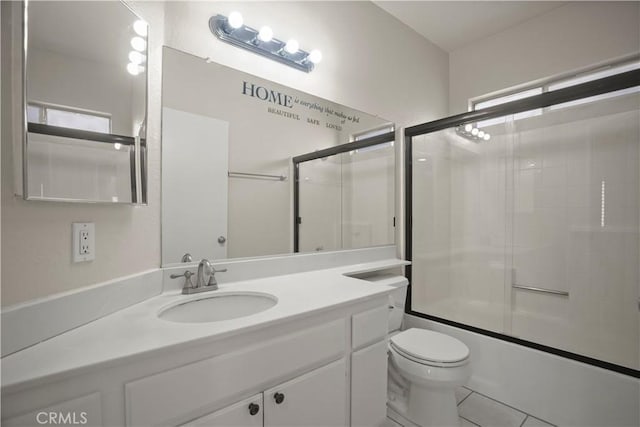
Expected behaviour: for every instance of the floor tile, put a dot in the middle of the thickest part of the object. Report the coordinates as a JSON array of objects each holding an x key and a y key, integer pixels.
[
  {"x": 488, "y": 413},
  {"x": 466, "y": 423},
  {"x": 391, "y": 423},
  {"x": 461, "y": 394},
  {"x": 534, "y": 422}
]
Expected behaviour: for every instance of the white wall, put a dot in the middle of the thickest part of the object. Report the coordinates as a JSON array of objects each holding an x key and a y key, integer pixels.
[
  {"x": 36, "y": 236},
  {"x": 371, "y": 62},
  {"x": 573, "y": 36}
]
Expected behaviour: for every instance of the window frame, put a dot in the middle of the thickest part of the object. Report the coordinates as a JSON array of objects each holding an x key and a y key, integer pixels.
[
  {"x": 44, "y": 107},
  {"x": 558, "y": 82}
]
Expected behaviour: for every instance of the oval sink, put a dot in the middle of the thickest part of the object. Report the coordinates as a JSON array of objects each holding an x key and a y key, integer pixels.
[{"x": 214, "y": 308}]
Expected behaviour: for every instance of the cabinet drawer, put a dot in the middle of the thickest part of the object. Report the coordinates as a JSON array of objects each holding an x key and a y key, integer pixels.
[
  {"x": 237, "y": 415},
  {"x": 173, "y": 396},
  {"x": 369, "y": 326},
  {"x": 85, "y": 410}
]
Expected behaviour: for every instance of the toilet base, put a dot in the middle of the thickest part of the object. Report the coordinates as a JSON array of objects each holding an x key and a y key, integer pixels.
[
  {"x": 424, "y": 407},
  {"x": 432, "y": 407}
]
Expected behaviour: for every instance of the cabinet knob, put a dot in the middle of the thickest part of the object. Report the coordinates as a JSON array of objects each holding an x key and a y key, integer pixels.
[
  {"x": 279, "y": 397},
  {"x": 254, "y": 408}
]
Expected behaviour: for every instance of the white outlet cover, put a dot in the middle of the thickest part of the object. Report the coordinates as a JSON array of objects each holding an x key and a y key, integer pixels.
[{"x": 83, "y": 235}]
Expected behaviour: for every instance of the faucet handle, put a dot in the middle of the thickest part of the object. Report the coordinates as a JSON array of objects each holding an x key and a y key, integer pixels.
[
  {"x": 212, "y": 278},
  {"x": 187, "y": 275}
]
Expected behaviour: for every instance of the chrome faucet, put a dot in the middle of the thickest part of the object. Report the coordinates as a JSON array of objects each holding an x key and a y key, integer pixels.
[{"x": 205, "y": 279}]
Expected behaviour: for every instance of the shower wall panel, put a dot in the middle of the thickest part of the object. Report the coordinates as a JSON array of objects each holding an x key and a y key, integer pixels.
[{"x": 550, "y": 202}]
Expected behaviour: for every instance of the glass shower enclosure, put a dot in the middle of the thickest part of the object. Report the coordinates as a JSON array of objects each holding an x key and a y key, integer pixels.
[
  {"x": 344, "y": 196},
  {"x": 523, "y": 221}
]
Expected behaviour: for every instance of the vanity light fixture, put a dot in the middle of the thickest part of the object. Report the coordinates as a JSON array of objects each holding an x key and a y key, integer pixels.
[
  {"x": 139, "y": 44},
  {"x": 233, "y": 31},
  {"x": 473, "y": 133},
  {"x": 140, "y": 27}
]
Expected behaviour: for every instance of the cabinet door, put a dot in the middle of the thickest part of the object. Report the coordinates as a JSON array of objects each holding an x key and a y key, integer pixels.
[
  {"x": 318, "y": 398},
  {"x": 85, "y": 410},
  {"x": 247, "y": 413},
  {"x": 369, "y": 386}
]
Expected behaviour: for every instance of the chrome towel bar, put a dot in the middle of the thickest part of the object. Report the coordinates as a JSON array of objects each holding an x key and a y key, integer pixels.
[
  {"x": 256, "y": 176},
  {"x": 541, "y": 290}
]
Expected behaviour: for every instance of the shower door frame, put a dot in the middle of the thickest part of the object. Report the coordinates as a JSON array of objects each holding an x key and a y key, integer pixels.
[
  {"x": 613, "y": 83},
  {"x": 327, "y": 152}
]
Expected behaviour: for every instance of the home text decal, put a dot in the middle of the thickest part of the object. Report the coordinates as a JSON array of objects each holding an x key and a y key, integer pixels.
[{"x": 295, "y": 108}]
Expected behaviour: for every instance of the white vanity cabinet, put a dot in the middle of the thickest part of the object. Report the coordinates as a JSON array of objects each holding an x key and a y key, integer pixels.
[
  {"x": 85, "y": 410},
  {"x": 326, "y": 369}
]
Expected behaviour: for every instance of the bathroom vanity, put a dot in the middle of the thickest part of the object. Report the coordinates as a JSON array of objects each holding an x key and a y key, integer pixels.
[{"x": 317, "y": 357}]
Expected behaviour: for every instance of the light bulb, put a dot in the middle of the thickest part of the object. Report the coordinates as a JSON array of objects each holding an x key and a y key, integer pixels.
[
  {"x": 292, "y": 46},
  {"x": 474, "y": 131},
  {"x": 468, "y": 128},
  {"x": 140, "y": 27},
  {"x": 481, "y": 134},
  {"x": 235, "y": 20},
  {"x": 117, "y": 146},
  {"x": 265, "y": 34},
  {"x": 138, "y": 44},
  {"x": 136, "y": 57},
  {"x": 133, "y": 69},
  {"x": 315, "y": 56},
  {"x": 487, "y": 137}
]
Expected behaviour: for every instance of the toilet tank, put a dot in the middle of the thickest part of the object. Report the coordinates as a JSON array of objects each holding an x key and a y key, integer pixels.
[
  {"x": 397, "y": 300},
  {"x": 397, "y": 297}
]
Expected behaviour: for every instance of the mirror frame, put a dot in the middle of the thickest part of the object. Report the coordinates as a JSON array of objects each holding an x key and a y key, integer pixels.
[{"x": 139, "y": 153}]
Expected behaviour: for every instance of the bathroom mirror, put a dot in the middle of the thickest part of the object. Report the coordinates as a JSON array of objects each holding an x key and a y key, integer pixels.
[
  {"x": 85, "y": 102},
  {"x": 228, "y": 139}
]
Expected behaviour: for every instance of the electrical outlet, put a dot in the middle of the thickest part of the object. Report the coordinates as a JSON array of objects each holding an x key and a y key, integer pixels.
[{"x": 83, "y": 235}]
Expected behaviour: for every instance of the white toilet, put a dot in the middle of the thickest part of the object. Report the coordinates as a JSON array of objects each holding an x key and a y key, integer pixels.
[{"x": 425, "y": 368}]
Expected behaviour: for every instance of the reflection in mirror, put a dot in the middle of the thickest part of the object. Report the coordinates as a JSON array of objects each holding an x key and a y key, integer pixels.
[
  {"x": 228, "y": 139},
  {"x": 346, "y": 201},
  {"x": 85, "y": 78}
]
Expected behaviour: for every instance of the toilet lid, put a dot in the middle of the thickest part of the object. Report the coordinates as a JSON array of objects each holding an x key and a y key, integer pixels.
[{"x": 430, "y": 346}]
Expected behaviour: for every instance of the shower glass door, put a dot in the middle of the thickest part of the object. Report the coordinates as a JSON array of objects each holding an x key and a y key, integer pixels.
[
  {"x": 533, "y": 231},
  {"x": 346, "y": 201}
]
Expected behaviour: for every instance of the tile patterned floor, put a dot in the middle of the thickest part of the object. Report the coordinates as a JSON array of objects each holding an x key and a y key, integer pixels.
[{"x": 477, "y": 410}]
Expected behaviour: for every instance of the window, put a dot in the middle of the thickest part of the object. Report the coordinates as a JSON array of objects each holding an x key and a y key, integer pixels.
[
  {"x": 371, "y": 133},
  {"x": 555, "y": 84},
  {"x": 68, "y": 117}
]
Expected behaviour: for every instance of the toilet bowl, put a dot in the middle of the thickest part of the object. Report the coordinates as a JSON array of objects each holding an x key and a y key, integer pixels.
[
  {"x": 425, "y": 368},
  {"x": 432, "y": 365}
]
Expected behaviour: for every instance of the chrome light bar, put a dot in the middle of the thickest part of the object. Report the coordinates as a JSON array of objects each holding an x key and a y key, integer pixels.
[{"x": 232, "y": 31}]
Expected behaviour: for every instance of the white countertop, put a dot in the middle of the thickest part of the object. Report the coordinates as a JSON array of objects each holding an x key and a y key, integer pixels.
[{"x": 135, "y": 331}]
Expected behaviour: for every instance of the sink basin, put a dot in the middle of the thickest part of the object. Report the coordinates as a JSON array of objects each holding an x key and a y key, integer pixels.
[{"x": 217, "y": 307}]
